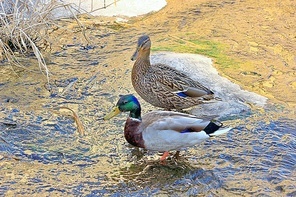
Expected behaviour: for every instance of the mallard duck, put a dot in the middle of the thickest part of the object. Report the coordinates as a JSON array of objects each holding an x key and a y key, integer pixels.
[
  {"x": 162, "y": 85},
  {"x": 163, "y": 130}
]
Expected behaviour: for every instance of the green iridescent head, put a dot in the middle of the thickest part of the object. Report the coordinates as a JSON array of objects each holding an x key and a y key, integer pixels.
[{"x": 126, "y": 103}]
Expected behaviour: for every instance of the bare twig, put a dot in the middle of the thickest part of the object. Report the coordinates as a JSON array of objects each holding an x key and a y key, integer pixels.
[
  {"x": 79, "y": 124},
  {"x": 68, "y": 87}
]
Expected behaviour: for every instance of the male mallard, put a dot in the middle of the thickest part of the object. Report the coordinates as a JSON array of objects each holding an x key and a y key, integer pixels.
[
  {"x": 162, "y": 85},
  {"x": 163, "y": 130}
]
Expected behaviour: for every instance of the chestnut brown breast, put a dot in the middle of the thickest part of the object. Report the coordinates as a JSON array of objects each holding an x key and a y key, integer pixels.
[{"x": 132, "y": 134}]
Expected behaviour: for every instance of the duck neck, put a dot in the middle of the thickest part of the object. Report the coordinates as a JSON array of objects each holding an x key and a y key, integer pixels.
[
  {"x": 136, "y": 113},
  {"x": 143, "y": 61}
]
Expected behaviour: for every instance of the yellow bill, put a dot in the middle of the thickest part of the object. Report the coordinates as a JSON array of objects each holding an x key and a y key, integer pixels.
[{"x": 115, "y": 111}]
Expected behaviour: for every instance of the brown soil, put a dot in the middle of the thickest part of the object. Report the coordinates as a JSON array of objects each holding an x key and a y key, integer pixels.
[{"x": 259, "y": 34}]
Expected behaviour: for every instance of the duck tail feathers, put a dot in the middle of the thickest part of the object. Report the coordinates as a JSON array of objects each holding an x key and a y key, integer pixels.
[{"x": 220, "y": 132}]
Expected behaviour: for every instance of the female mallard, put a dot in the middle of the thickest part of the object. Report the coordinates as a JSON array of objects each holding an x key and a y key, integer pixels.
[
  {"x": 163, "y": 130},
  {"x": 162, "y": 85}
]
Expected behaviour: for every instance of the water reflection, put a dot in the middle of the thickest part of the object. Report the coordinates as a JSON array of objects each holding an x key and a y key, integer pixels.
[
  {"x": 256, "y": 157},
  {"x": 246, "y": 161}
]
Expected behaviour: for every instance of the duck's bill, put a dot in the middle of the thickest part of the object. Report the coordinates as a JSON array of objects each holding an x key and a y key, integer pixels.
[
  {"x": 134, "y": 57},
  {"x": 115, "y": 111}
]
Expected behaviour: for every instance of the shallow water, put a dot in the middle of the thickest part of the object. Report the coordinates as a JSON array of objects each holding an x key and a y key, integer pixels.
[{"x": 42, "y": 153}]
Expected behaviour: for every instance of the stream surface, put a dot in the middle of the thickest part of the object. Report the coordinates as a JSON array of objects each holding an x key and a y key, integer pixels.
[{"x": 42, "y": 154}]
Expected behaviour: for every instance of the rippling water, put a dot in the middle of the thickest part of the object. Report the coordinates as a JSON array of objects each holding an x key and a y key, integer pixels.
[{"x": 42, "y": 152}]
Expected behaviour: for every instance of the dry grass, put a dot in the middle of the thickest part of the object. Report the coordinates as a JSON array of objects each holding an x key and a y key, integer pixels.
[{"x": 25, "y": 27}]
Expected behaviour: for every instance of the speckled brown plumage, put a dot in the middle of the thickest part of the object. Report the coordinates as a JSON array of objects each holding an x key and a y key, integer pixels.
[{"x": 159, "y": 84}]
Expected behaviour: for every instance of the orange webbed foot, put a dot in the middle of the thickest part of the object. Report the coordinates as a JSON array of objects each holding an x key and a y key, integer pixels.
[{"x": 163, "y": 158}]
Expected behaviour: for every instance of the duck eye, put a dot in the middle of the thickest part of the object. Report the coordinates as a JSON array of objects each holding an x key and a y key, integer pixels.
[{"x": 144, "y": 42}]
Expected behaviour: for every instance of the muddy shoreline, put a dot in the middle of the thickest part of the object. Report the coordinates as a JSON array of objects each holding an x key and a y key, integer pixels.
[{"x": 250, "y": 42}]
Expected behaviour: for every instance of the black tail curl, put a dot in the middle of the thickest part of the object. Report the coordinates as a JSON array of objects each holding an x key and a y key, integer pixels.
[{"x": 212, "y": 127}]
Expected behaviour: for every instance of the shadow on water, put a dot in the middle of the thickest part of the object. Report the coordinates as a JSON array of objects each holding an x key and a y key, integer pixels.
[{"x": 150, "y": 178}]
